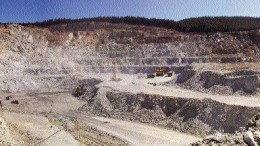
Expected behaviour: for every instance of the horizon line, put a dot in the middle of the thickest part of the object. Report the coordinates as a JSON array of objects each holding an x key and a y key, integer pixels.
[{"x": 57, "y": 18}]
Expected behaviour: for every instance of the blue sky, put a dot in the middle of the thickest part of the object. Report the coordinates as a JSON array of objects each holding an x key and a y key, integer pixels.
[{"x": 38, "y": 10}]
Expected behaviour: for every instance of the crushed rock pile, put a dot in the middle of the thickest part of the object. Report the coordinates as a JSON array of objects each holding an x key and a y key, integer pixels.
[{"x": 245, "y": 136}]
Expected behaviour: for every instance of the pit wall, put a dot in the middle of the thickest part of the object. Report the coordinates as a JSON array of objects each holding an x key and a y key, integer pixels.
[{"x": 199, "y": 117}]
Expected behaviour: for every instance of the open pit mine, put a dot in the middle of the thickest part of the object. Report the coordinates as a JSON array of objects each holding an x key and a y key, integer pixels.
[{"x": 98, "y": 83}]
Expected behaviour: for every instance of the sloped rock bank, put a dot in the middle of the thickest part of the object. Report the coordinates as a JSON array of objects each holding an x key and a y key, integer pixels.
[
  {"x": 246, "y": 83},
  {"x": 200, "y": 117},
  {"x": 241, "y": 82}
]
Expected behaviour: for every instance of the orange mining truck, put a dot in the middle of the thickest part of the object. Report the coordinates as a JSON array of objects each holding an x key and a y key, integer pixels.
[{"x": 160, "y": 71}]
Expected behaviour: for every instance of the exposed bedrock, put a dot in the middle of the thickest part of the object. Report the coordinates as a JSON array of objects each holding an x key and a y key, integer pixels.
[{"x": 194, "y": 116}]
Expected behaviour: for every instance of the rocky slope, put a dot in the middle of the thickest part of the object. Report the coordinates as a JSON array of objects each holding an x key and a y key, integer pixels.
[
  {"x": 249, "y": 135},
  {"x": 108, "y": 43},
  {"x": 199, "y": 117}
]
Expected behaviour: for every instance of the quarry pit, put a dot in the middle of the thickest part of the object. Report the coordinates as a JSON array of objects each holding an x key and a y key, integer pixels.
[{"x": 42, "y": 70}]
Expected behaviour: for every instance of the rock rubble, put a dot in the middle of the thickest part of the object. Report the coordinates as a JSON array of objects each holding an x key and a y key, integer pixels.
[{"x": 249, "y": 135}]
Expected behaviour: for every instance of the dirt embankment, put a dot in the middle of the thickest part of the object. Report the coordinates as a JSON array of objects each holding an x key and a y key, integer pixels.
[{"x": 200, "y": 117}]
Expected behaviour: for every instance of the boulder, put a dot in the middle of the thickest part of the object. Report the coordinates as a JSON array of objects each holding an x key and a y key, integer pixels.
[
  {"x": 249, "y": 138},
  {"x": 257, "y": 136},
  {"x": 218, "y": 137}
]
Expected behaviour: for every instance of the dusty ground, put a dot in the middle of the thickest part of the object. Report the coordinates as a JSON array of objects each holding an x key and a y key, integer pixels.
[
  {"x": 140, "y": 134},
  {"x": 34, "y": 122},
  {"x": 49, "y": 112},
  {"x": 136, "y": 133},
  {"x": 37, "y": 116},
  {"x": 33, "y": 130}
]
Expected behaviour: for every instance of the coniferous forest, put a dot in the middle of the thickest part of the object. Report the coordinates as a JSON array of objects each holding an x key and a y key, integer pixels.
[{"x": 201, "y": 24}]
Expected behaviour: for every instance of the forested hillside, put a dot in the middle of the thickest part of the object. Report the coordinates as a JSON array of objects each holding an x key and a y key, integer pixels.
[{"x": 202, "y": 24}]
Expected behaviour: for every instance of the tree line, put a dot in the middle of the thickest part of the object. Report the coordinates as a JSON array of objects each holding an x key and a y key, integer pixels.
[{"x": 200, "y": 24}]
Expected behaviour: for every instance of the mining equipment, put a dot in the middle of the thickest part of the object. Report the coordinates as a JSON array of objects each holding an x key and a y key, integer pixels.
[
  {"x": 149, "y": 76},
  {"x": 160, "y": 71},
  {"x": 169, "y": 74}
]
